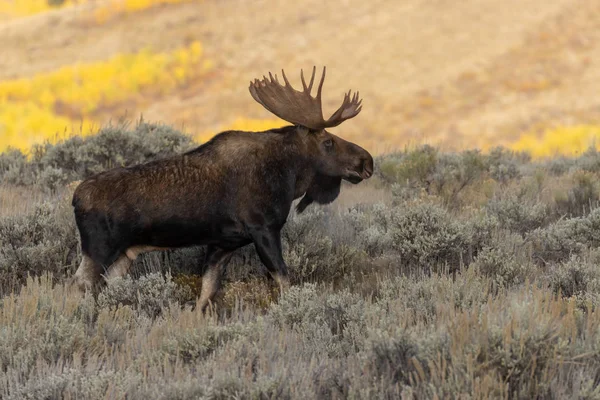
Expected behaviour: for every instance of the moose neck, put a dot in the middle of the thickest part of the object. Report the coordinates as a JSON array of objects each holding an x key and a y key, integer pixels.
[{"x": 299, "y": 156}]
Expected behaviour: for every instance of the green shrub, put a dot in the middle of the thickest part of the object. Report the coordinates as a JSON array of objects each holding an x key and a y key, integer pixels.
[
  {"x": 589, "y": 160},
  {"x": 505, "y": 165},
  {"x": 335, "y": 322},
  {"x": 42, "y": 241},
  {"x": 447, "y": 174},
  {"x": 455, "y": 172},
  {"x": 426, "y": 170},
  {"x": 559, "y": 240},
  {"x": 427, "y": 235},
  {"x": 421, "y": 296},
  {"x": 197, "y": 342},
  {"x": 148, "y": 295},
  {"x": 52, "y": 165},
  {"x": 579, "y": 277},
  {"x": 505, "y": 260},
  {"x": 405, "y": 359},
  {"x": 581, "y": 197},
  {"x": 410, "y": 167},
  {"x": 517, "y": 214}
]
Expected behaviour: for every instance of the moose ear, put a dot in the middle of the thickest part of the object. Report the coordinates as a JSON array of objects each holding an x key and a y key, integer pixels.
[{"x": 323, "y": 190}]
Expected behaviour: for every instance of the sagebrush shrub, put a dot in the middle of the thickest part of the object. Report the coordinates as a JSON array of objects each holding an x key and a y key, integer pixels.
[
  {"x": 43, "y": 241},
  {"x": 15, "y": 169},
  {"x": 559, "y": 165},
  {"x": 370, "y": 228},
  {"x": 421, "y": 296},
  {"x": 563, "y": 238},
  {"x": 197, "y": 342},
  {"x": 589, "y": 160},
  {"x": 149, "y": 294},
  {"x": 425, "y": 170},
  {"x": 504, "y": 260},
  {"x": 505, "y": 165},
  {"x": 579, "y": 276},
  {"x": 581, "y": 197},
  {"x": 52, "y": 165},
  {"x": 428, "y": 235},
  {"x": 517, "y": 214},
  {"x": 404, "y": 357},
  {"x": 336, "y": 322}
]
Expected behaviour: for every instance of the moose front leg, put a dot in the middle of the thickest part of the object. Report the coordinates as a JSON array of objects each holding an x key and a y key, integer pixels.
[
  {"x": 268, "y": 247},
  {"x": 216, "y": 261}
]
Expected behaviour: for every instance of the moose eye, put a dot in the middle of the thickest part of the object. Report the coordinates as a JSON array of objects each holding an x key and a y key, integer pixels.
[{"x": 328, "y": 144}]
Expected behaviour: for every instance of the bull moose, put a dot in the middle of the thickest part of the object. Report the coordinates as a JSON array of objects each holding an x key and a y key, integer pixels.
[{"x": 233, "y": 190}]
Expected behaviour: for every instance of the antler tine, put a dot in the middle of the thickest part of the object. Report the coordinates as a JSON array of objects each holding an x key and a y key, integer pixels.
[
  {"x": 321, "y": 84},
  {"x": 300, "y": 107},
  {"x": 302, "y": 79},
  {"x": 287, "y": 83},
  {"x": 351, "y": 106},
  {"x": 312, "y": 79}
]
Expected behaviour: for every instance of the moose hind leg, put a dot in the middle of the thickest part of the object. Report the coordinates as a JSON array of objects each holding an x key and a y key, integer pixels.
[
  {"x": 123, "y": 264},
  {"x": 119, "y": 268},
  {"x": 268, "y": 247},
  {"x": 88, "y": 275},
  {"x": 216, "y": 260}
]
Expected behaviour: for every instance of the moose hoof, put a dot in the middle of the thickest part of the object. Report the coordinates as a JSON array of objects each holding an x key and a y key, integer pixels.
[{"x": 76, "y": 284}]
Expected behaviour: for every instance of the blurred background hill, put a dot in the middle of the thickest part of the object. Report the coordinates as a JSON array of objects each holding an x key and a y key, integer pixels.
[{"x": 477, "y": 73}]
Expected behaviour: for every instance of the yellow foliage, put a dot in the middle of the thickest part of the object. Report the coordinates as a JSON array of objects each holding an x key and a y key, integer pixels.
[
  {"x": 22, "y": 8},
  {"x": 37, "y": 108},
  {"x": 103, "y": 13},
  {"x": 87, "y": 87},
  {"x": 244, "y": 124},
  {"x": 24, "y": 124},
  {"x": 566, "y": 140},
  {"x": 114, "y": 8}
]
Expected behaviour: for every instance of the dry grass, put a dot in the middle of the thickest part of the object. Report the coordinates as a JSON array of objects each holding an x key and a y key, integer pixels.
[
  {"x": 19, "y": 200},
  {"x": 516, "y": 344}
]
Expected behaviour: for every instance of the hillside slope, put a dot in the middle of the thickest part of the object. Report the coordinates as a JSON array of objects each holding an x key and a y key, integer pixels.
[{"x": 475, "y": 74}]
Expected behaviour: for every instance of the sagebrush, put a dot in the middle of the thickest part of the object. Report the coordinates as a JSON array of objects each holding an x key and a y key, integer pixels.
[{"x": 476, "y": 278}]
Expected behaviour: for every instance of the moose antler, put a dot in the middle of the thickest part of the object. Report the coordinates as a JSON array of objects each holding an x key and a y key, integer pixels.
[{"x": 300, "y": 108}]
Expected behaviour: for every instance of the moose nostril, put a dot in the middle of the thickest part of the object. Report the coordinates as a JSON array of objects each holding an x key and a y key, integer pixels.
[{"x": 367, "y": 169}]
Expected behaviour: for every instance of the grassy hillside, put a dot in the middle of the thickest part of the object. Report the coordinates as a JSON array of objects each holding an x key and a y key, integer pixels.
[{"x": 477, "y": 74}]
